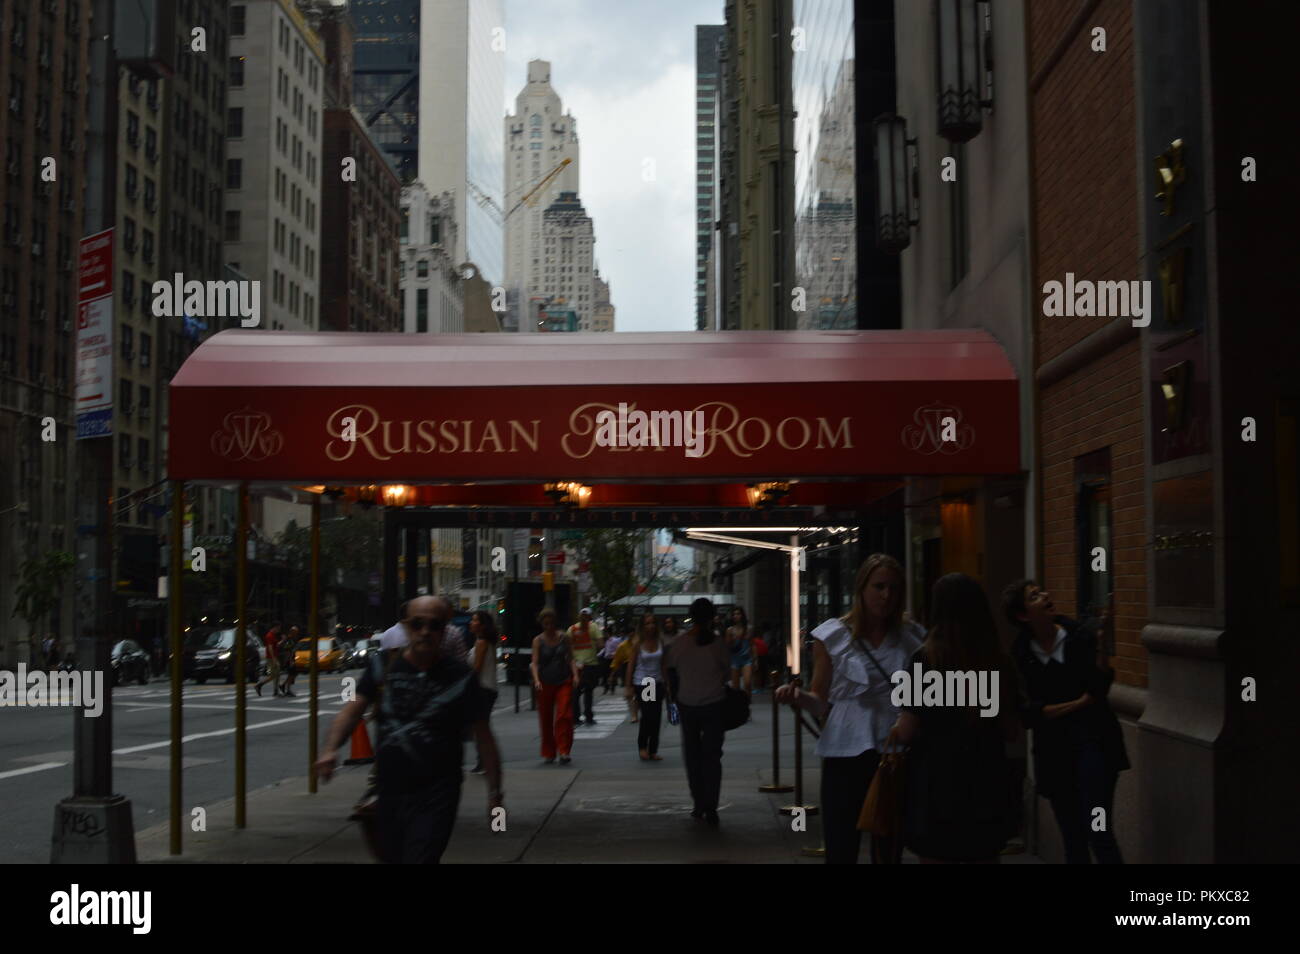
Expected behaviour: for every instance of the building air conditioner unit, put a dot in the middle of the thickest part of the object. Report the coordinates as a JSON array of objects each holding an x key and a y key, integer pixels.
[
  {"x": 12, "y": 168},
  {"x": 10, "y": 301},
  {"x": 66, "y": 265},
  {"x": 40, "y": 316},
  {"x": 66, "y": 327},
  {"x": 36, "y": 250},
  {"x": 44, "y": 59},
  {"x": 15, "y": 105}
]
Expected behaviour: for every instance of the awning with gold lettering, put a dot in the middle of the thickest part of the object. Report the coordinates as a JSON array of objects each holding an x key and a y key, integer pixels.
[{"x": 342, "y": 408}]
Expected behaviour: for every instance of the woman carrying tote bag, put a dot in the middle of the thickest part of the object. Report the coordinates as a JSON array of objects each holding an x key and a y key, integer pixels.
[{"x": 854, "y": 659}]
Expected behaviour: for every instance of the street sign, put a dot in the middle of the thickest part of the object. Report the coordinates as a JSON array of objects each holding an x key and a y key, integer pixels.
[
  {"x": 94, "y": 387},
  {"x": 555, "y": 558}
]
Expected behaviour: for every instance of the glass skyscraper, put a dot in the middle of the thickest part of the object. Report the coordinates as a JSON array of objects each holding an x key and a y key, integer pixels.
[
  {"x": 385, "y": 71},
  {"x": 485, "y": 152},
  {"x": 825, "y": 188}
]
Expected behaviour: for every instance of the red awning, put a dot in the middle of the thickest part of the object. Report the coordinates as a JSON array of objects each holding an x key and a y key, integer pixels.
[{"x": 299, "y": 407}]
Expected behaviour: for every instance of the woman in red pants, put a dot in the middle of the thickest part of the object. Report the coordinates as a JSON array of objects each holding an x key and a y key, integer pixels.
[{"x": 555, "y": 675}]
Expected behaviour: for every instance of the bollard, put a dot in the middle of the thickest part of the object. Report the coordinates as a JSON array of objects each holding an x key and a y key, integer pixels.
[
  {"x": 798, "y": 768},
  {"x": 776, "y": 785}
]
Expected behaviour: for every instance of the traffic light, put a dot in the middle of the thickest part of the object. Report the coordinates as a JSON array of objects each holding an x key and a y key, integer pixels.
[{"x": 501, "y": 606}]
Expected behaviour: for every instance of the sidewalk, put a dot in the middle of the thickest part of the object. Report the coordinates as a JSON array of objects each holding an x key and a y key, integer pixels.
[{"x": 607, "y": 807}]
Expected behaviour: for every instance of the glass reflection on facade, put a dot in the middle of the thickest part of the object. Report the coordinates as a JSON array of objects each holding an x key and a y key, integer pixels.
[
  {"x": 825, "y": 194},
  {"x": 386, "y": 66},
  {"x": 485, "y": 151}
]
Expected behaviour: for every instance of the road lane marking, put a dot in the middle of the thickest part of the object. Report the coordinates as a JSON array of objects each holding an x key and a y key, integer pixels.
[
  {"x": 43, "y": 767},
  {"x": 209, "y": 735}
]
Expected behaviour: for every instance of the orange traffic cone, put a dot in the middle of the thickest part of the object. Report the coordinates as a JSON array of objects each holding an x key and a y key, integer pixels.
[{"x": 362, "y": 753}]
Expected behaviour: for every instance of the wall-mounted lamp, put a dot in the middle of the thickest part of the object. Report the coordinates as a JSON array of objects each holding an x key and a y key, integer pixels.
[
  {"x": 567, "y": 493},
  {"x": 965, "y": 67},
  {"x": 397, "y": 495},
  {"x": 897, "y": 183},
  {"x": 767, "y": 495}
]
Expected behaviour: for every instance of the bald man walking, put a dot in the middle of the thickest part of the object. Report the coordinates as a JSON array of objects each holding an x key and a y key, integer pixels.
[{"x": 424, "y": 701}]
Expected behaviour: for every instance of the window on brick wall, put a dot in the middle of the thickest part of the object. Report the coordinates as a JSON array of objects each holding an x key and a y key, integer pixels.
[{"x": 1093, "y": 533}]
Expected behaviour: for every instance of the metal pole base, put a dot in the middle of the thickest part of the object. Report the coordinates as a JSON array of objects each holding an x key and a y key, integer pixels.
[
  {"x": 791, "y": 809},
  {"x": 93, "y": 831},
  {"x": 775, "y": 789},
  {"x": 814, "y": 852}
]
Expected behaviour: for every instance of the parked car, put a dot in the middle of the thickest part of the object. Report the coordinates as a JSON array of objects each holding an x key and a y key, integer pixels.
[
  {"x": 128, "y": 661},
  {"x": 329, "y": 654},
  {"x": 210, "y": 654}
]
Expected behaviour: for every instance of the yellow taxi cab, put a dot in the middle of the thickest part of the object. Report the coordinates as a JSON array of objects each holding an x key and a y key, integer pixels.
[{"x": 329, "y": 655}]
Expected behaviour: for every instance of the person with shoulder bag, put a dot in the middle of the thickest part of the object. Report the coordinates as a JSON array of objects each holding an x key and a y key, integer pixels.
[
  {"x": 698, "y": 664},
  {"x": 854, "y": 658}
]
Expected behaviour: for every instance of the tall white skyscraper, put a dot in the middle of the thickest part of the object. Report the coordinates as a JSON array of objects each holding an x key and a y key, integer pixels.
[
  {"x": 462, "y": 84},
  {"x": 539, "y": 135}
]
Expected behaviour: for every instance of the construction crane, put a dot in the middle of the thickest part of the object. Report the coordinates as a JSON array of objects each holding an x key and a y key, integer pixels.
[{"x": 530, "y": 197}]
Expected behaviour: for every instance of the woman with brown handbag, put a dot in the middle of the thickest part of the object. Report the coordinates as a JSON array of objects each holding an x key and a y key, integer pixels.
[
  {"x": 955, "y": 805},
  {"x": 853, "y": 661}
]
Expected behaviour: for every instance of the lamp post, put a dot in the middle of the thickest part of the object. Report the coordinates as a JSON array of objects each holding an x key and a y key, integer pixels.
[
  {"x": 897, "y": 190},
  {"x": 963, "y": 59}
]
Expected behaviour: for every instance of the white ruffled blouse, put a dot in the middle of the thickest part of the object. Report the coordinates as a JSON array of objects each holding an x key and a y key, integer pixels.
[{"x": 861, "y": 712}]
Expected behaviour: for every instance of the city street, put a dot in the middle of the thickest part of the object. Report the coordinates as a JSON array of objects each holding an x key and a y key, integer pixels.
[{"x": 35, "y": 775}]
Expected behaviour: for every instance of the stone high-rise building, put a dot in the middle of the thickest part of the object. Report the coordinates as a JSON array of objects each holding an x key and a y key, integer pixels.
[
  {"x": 539, "y": 135},
  {"x": 707, "y": 104},
  {"x": 274, "y": 135},
  {"x": 43, "y": 110}
]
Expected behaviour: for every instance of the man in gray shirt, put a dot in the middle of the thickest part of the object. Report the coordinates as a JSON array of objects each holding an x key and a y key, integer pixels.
[{"x": 699, "y": 663}]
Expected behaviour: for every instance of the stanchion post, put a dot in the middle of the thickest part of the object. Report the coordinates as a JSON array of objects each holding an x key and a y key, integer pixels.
[{"x": 776, "y": 787}]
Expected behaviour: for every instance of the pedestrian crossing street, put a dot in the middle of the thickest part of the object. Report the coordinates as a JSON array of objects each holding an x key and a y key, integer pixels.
[{"x": 609, "y": 711}]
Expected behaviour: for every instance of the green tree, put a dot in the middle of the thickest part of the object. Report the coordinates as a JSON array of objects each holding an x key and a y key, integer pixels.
[
  {"x": 40, "y": 587},
  {"x": 611, "y": 554},
  {"x": 351, "y": 548}
]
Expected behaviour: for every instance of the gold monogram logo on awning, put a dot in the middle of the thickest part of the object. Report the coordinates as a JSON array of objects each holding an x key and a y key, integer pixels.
[
  {"x": 937, "y": 429},
  {"x": 247, "y": 435}
]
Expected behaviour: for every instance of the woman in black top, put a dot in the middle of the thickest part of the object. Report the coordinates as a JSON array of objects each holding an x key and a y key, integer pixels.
[
  {"x": 955, "y": 807},
  {"x": 1078, "y": 744}
]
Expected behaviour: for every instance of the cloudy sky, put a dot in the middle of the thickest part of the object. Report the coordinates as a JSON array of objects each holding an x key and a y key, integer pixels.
[{"x": 626, "y": 70}]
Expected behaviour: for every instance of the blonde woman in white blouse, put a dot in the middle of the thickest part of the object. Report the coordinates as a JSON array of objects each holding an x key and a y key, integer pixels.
[{"x": 853, "y": 660}]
